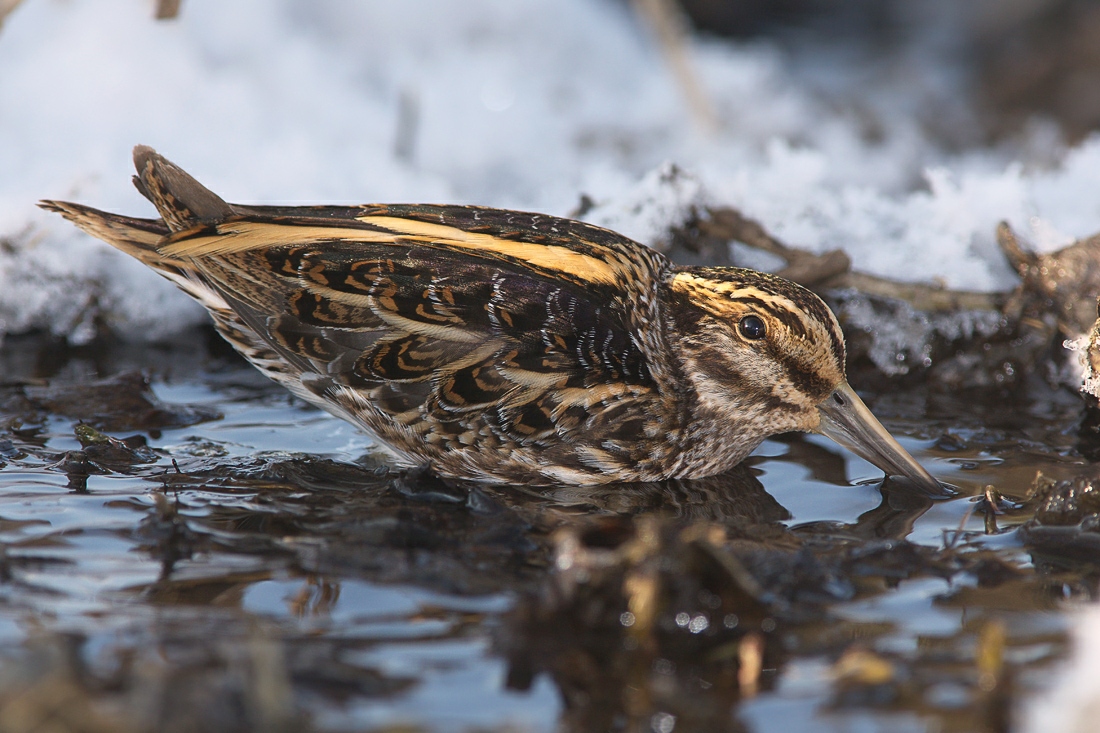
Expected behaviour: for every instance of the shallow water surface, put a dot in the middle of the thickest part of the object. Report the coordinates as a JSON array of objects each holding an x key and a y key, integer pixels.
[{"x": 228, "y": 558}]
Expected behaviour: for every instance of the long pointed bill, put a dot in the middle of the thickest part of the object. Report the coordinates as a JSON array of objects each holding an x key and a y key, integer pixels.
[{"x": 848, "y": 421}]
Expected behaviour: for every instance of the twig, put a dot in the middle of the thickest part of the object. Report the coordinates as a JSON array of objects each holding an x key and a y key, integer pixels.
[
  {"x": 6, "y": 6},
  {"x": 408, "y": 124},
  {"x": 665, "y": 19},
  {"x": 832, "y": 270},
  {"x": 167, "y": 9},
  {"x": 928, "y": 298}
]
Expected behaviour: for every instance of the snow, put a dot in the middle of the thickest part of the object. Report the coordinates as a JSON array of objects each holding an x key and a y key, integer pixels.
[
  {"x": 511, "y": 103},
  {"x": 902, "y": 336}
]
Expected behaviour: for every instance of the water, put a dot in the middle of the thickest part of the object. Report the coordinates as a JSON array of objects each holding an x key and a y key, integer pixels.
[{"x": 260, "y": 570}]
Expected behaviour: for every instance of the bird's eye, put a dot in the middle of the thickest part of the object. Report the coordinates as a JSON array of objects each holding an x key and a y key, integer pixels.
[{"x": 752, "y": 328}]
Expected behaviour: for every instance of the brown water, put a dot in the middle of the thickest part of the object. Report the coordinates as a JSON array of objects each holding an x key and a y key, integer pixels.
[{"x": 244, "y": 563}]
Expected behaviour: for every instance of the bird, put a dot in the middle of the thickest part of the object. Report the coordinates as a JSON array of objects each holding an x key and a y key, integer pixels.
[{"x": 503, "y": 346}]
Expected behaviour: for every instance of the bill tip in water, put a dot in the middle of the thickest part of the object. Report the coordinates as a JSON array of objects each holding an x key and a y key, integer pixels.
[
  {"x": 934, "y": 490},
  {"x": 849, "y": 422}
]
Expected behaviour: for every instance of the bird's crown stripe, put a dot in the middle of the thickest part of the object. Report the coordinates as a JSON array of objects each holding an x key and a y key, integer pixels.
[
  {"x": 716, "y": 296},
  {"x": 707, "y": 290}
]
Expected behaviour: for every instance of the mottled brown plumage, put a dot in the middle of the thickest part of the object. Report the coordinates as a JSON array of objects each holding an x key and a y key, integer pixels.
[{"x": 495, "y": 345}]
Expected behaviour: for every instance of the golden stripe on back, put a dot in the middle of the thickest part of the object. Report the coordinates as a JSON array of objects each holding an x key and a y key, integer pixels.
[{"x": 243, "y": 235}]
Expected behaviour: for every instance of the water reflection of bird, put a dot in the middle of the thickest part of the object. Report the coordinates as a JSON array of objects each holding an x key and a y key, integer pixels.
[
  {"x": 735, "y": 497},
  {"x": 504, "y": 346}
]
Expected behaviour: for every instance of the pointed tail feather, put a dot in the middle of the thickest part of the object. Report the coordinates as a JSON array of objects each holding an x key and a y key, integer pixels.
[
  {"x": 136, "y": 237},
  {"x": 181, "y": 200},
  {"x": 139, "y": 238}
]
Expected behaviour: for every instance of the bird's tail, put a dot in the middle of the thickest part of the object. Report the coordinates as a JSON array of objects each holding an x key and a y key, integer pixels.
[
  {"x": 182, "y": 202},
  {"x": 136, "y": 237}
]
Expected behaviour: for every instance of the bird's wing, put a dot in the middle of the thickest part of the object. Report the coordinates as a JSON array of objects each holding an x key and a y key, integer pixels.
[
  {"x": 525, "y": 336},
  {"x": 442, "y": 324}
]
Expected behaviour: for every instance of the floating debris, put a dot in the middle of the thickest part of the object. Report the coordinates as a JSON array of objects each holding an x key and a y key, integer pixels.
[
  {"x": 119, "y": 403},
  {"x": 1065, "y": 528}
]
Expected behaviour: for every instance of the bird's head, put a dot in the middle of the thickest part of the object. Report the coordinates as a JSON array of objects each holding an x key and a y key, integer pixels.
[{"x": 766, "y": 356}]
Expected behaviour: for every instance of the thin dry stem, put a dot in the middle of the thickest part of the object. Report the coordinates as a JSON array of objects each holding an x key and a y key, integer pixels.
[
  {"x": 664, "y": 17},
  {"x": 167, "y": 9}
]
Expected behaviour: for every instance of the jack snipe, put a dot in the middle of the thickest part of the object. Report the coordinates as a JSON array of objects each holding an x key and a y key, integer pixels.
[{"x": 504, "y": 346}]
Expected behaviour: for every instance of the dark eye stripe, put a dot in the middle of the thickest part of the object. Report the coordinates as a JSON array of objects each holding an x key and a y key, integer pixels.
[
  {"x": 793, "y": 321},
  {"x": 806, "y": 381},
  {"x": 811, "y": 306}
]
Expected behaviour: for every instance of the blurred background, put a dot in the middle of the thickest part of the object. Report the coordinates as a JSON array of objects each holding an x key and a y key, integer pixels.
[{"x": 885, "y": 128}]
